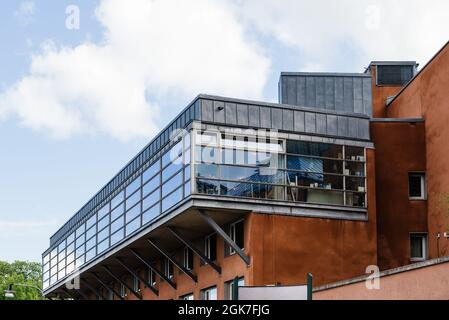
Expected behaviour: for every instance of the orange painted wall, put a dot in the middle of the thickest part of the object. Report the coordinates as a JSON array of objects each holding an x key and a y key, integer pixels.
[
  {"x": 428, "y": 96},
  {"x": 400, "y": 149}
]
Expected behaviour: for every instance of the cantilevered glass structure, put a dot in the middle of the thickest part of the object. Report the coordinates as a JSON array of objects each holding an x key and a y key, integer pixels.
[{"x": 231, "y": 155}]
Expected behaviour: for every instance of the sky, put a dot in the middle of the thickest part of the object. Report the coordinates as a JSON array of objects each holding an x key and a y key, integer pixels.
[{"x": 85, "y": 85}]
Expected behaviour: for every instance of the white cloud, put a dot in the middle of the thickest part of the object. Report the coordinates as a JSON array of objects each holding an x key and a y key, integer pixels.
[
  {"x": 25, "y": 13},
  {"x": 152, "y": 51},
  {"x": 323, "y": 30}
]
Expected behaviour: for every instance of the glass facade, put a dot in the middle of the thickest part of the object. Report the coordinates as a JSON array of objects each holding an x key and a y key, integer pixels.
[
  {"x": 158, "y": 188},
  {"x": 221, "y": 165},
  {"x": 276, "y": 169}
]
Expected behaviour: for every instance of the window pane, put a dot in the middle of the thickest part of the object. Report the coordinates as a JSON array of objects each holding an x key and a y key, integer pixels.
[
  {"x": 187, "y": 190},
  {"x": 103, "y": 222},
  {"x": 151, "y": 199},
  {"x": 151, "y": 185},
  {"x": 187, "y": 172},
  {"x": 71, "y": 237},
  {"x": 151, "y": 171},
  {"x": 117, "y": 212},
  {"x": 315, "y": 149},
  {"x": 355, "y": 184},
  {"x": 172, "y": 184},
  {"x": 103, "y": 234},
  {"x": 132, "y": 200},
  {"x": 355, "y": 199},
  {"x": 117, "y": 224},
  {"x": 91, "y": 243},
  {"x": 151, "y": 213},
  {"x": 172, "y": 199},
  {"x": 116, "y": 237},
  {"x": 117, "y": 199},
  {"x": 80, "y": 230},
  {"x": 90, "y": 254},
  {"x": 415, "y": 185},
  {"x": 170, "y": 170},
  {"x": 171, "y": 155},
  {"x": 314, "y": 165},
  {"x": 103, "y": 211},
  {"x": 318, "y": 196},
  {"x": 354, "y": 153},
  {"x": 417, "y": 250},
  {"x": 315, "y": 180},
  {"x": 131, "y": 214},
  {"x": 266, "y": 175},
  {"x": 133, "y": 186},
  {"x": 207, "y": 186},
  {"x": 91, "y": 232},
  {"x": 132, "y": 226},
  {"x": 103, "y": 246},
  {"x": 207, "y": 171},
  {"x": 91, "y": 221},
  {"x": 206, "y": 154}
]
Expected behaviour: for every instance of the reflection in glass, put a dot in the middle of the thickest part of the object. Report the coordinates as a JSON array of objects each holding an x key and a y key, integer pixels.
[
  {"x": 315, "y": 149},
  {"x": 117, "y": 199},
  {"x": 116, "y": 237},
  {"x": 151, "y": 185},
  {"x": 151, "y": 213},
  {"x": 133, "y": 186},
  {"x": 151, "y": 171},
  {"x": 151, "y": 199},
  {"x": 131, "y": 214},
  {"x": 117, "y": 212},
  {"x": 172, "y": 184},
  {"x": 172, "y": 199},
  {"x": 132, "y": 226},
  {"x": 132, "y": 200}
]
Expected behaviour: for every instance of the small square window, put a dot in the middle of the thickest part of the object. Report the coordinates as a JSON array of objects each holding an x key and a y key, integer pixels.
[
  {"x": 209, "y": 293},
  {"x": 417, "y": 186},
  {"x": 418, "y": 246}
]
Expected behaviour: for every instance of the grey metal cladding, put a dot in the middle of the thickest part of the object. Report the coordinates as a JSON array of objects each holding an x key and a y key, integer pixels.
[
  {"x": 219, "y": 112},
  {"x": 321, "y": 127},
  {"x": 231, "y": 113},
  {"x": 207, "y": 111},
  {"x": 342, "y": 123},
  {"x": 351, "y": 93},
  {"x": 265, "y": 117},
  {"x": 358, "y": 95},
  {"x": 367, "y": 91},
  {"x": 276, "y": 118},
  {"x": 363, "y": 129},
  {"x": 291, "y": 90},
  {"x": 329, "y": 92},
  {"x": 332, "y": 125},
  {"x": 310, "y": 124},
  {"x": 300, "y": 92},
  {"x": 348, "y": 95},
  {"x": 253, "y": 114},
  {"x": 353, "y": 127},
  {"x": 299, "y": 121},
  {"x": 287, "y": 120},
  {"x": 242, "y": 114},
  {"x": 310, "y": 92},
  {"x": 320, "y": 92}
]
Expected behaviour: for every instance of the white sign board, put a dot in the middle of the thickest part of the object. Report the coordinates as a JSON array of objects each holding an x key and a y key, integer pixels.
[{"x": 273, "y": 293}]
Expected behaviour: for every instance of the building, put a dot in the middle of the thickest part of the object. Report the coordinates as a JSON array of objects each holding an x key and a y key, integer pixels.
[{"x": 343, "y": 173}]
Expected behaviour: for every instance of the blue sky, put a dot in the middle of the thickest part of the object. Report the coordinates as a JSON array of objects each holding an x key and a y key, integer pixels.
[{"x": 76, "y": 105}]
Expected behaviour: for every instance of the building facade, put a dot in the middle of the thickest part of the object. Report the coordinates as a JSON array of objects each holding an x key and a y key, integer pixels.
[{"x": 333, "y": 178}]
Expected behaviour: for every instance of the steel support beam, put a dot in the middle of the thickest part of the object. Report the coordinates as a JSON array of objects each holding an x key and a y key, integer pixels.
[
  {"x": 225, "y": 236},
  {"x": 174, "y": 261},
  {"x": 123, "y": 283},
  {"x": 91, "y": 288},
  {"x": 158, "y": 272},
  {"x": 192, "y": 247},
  {"x": 67, "y": 292},
  {"x": 85, "y": 297},
  {"x": 106, "y": 286},
  {"x": 135, "y": 274}
]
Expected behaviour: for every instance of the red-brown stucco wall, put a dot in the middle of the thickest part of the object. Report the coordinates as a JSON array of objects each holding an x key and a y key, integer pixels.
[
  {"x": 400, "y": 149},
  {"x": 427, "y": 96}
]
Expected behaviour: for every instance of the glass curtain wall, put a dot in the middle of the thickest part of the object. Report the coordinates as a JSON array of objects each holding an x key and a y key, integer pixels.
[
  {"x": 275, "y": 169},
  {"x": 163, "y": 184}
]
